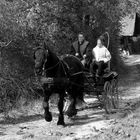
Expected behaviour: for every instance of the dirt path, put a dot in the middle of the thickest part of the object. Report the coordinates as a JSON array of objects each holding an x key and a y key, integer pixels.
[
  {"x": 86, "y": 125},
  {"x": 88, "y": 121}
]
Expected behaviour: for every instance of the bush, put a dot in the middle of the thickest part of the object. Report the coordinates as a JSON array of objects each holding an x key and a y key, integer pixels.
[{"x": 28, "y": 23}]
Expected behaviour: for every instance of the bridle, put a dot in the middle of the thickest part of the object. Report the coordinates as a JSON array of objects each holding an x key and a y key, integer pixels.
[
  {"x": 50, "y": 68},
  {"x": 54, "y": 66}
]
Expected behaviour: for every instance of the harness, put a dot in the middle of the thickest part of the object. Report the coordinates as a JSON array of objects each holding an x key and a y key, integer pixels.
[
  {"x": 66, "y": 69},
  {"x": 50, "y": 68},
  {"x": 57, "y": 64}
]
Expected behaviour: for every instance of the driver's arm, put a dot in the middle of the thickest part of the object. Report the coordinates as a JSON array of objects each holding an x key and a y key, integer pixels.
[{"x": 88, "y": 52}]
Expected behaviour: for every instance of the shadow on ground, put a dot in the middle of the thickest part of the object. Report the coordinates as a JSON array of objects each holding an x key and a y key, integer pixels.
[
  {"x": 85, "y": 115},
  {"x": 21, "y": 119}
]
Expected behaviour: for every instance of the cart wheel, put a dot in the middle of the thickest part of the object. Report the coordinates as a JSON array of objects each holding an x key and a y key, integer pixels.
[
  {"x": 107, "y": 97},
  {"x": 115, "y": 95}
]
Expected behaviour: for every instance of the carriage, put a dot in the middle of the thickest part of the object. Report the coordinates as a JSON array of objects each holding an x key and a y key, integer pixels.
[
  {"x": 66, "y": 75},
  {"x": 104, "y": 88}
]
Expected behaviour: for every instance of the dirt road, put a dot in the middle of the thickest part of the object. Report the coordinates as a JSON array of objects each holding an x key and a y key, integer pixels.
[{"x": 90, "y": 123}]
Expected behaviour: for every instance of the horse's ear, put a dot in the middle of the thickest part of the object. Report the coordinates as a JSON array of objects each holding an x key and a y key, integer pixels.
[{"x": 46, "y": 47}]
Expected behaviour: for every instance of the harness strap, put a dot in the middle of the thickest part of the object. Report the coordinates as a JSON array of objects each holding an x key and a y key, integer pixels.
[
  {"x": 51, "y": 67},
  {"x": 62, "y": 62},
  {"x": 64, "y": 68},
  {"x": 77, "y": 73}
]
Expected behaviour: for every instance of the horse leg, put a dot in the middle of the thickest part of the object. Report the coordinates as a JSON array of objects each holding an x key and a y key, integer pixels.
[
  {"x": 60, "y": 108},
  {"x": 47, "y": 113},
  {"x": 80, "y": 95},
  {"x": 72, "y": 111},
  {"x": 77, "y": 95},
  {"x": 80, "y": 91}
]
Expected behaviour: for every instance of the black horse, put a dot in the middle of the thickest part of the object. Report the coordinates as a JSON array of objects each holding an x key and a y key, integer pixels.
[{"x": 68, "y": 72}]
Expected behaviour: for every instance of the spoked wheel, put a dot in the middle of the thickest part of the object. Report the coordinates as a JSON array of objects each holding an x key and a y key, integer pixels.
[
  {"x": 107, "y": 97},
  {"x": 115, "y": 95}
]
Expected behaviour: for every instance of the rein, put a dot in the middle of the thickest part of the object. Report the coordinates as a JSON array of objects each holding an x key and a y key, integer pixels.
[
  {"x": 50, "y": 68},
  {"x": 63, "y": 68}
]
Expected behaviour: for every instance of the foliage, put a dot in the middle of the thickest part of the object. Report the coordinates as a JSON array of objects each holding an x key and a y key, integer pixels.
[{"x": 29, "y": 22}]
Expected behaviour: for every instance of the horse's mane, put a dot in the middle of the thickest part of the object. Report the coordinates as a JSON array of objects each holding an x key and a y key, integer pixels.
[
  {"x": 69, "y": 55},
  {"x": 62, "y": 57},
  {"x": 46, "y": 47}
]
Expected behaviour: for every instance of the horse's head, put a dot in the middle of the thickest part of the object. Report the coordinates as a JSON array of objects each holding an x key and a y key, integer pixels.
[
  {"x": 45, "y": 59},
  {"x": 40, "y": 57}
]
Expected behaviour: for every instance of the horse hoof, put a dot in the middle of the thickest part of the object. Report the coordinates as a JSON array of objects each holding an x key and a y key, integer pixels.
[
  {"x": 61, "y": 123},
  {"x": 48, "y": 117},
  {"x": 71, "y": 113}
]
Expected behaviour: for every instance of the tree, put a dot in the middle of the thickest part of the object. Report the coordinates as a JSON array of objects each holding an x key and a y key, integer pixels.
[
  {"x": 94, "y": 18},
  {"x": 29, "y": 22}
]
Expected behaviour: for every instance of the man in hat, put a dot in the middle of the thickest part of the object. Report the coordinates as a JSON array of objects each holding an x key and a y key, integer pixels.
[{"x": 81, "y": 49}]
